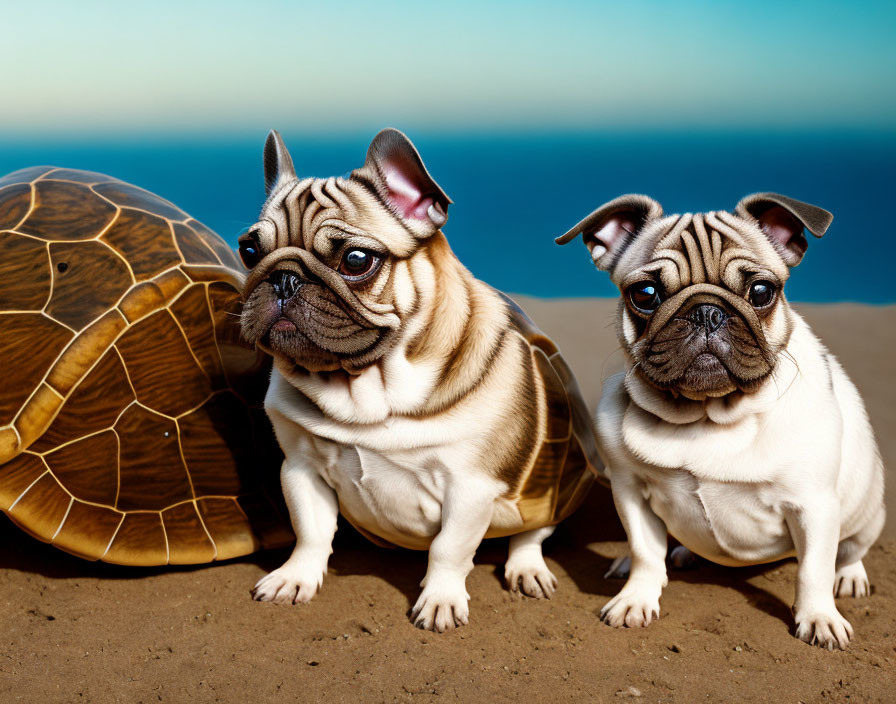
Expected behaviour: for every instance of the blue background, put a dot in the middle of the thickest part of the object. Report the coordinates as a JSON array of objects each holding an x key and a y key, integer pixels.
[
  {"x": 513, "y": 193},
  {"x": 529, "y": 113}
]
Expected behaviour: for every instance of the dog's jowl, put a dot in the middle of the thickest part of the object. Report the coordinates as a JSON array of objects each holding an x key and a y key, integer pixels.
[
  {"x": 416, "y": 400},
  {"x": 733, "y": 427}
]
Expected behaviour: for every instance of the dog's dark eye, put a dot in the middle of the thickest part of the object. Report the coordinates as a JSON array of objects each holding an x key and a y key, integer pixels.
[
  {"x": 250, "y": 252},
  {"x": 645, "y": 296},
  {"x": 356, "y": 263},
  {"x": 761, "y": 294}
]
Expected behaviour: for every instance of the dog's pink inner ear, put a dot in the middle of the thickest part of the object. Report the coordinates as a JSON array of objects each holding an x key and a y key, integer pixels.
[
  {"x": 406, "y": 195},
  {"x": 404, "y": 182},
  {"x": 617, "y": 226},
  {"x": 782, "y": 227}
]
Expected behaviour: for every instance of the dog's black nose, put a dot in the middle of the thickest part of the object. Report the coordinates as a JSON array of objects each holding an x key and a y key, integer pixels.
[
  {"x": 708, "y": 316},
  {"x": 286, "y": 284}
]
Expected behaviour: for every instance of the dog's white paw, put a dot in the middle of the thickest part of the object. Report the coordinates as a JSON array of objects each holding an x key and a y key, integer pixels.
[
  {"x": 290, "y": 584},
  {"x": 527, "y": 573},
  {"x": 442, "y": 606},
  {"x": 634, "y": 606},
  {"x": 619, "y": 568},
  {"x": 824, "y": 628},
  {"x": 852, "y": 580},
  {"x": 683, "y": 559}
]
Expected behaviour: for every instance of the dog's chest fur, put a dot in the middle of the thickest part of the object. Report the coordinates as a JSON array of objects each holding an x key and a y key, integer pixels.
[
  {"x": 391, "y": 477},
  {"x": 722, "y": 487}
]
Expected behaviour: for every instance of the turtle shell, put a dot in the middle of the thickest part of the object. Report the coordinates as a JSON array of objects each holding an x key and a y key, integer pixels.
[
  {"x": 567, "y": 462},
  {"x": 131, "y": 428}
]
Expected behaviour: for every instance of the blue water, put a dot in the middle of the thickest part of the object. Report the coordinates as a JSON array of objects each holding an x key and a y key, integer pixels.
[{"x": 514, "y": 193}]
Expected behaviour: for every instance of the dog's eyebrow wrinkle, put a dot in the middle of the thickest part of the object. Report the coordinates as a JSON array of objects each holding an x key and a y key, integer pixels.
[
  {"x": 278, "y": 219},
  {"x": 335, "y": 190},
  {"x": 680, "y": 262},
  {"x": 671, "y": 238},
  {"x": 317, "y": 190},
  {"x": 710, "y": 251},
  {"x": 311, "y": 209},
  {"x": 342, "y": 225},
  {"x": 724, "y": 226},
  {"x": 292, "y": 209},
  {"x": 695, "y": 259}
]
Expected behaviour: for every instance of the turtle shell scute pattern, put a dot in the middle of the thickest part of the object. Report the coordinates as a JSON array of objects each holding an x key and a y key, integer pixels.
[
  {"x": 567, "y": 462},
  {"x": 132, "y": 431}
]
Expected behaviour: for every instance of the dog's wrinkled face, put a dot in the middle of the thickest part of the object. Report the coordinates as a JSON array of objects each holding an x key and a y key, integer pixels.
[
  {"x": 328, "y": 287},
  {"x": 703, "y": 313}
]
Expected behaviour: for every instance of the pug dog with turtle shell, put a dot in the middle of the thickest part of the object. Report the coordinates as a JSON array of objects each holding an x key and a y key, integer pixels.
[
  {"x": 415, "y": 399},
  {"x": 733, "y": 428}
]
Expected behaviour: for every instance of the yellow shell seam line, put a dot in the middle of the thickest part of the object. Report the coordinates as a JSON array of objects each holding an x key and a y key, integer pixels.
[
  {"x": 43, "y": 177},
  {"x": 118, "y": 462},
  {"x": 52, "y": 279},
  {"x": 187, "y": 341},
  {"x": 126, "y": 207},
  {"x": 114, "y": 535},
  {"x": 154, "y": 411},
  {"x": 59, "y": 322},
  {"x": 74, "y": 386},
  {"x": 30, "y": 207},
  {"x": 127, "y": 376},
  {"x": 165, "y": 535},
  {"x": 124, "y": 261},
  {"x": 183, "y": 460},
  {"x": 205, "y": 528},
  {"x": 152, "y": 281},
  {"x": 201, "y": 239},
  {"x": 67, "y": 511},
  {"x": 203, "y": 402},
  {"x": 109, "y": 226},
  {"x": 180, "y": 252},
  {"x": 211, "y": 315},
  {"x": 27, "y": 489}
]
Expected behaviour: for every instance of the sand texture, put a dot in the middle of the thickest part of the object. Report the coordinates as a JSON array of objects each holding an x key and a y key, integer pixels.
[{"x": 81, "y": 632}]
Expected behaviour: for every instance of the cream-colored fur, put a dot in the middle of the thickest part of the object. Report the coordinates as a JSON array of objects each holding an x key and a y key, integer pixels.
[
  {"x": 789, "y": 468},
  {"x": 447, "y": 428},
  {"x": 795, "y": 472}
]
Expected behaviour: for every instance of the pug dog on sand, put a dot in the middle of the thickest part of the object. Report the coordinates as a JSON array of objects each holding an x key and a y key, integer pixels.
[
  {"x": 413, "y": 398},
  {"x": 733, "y": 428}
]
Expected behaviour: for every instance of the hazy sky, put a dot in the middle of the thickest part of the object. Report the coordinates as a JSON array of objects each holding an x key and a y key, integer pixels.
[{"x": 72, "y": 67}]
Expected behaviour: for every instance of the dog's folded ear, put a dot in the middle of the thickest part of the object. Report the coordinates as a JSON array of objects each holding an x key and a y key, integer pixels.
[
  {"x": 396, "y": 170},
  {"x": 783, "y": 221},
  {"x": 609, "y": 230},
  {"x": 278, "y": 166}
]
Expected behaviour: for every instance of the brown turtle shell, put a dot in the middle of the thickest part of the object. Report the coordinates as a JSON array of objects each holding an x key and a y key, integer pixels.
[
  {"x": 567, "y": 462},
  {"x": 131, "y": 428}
]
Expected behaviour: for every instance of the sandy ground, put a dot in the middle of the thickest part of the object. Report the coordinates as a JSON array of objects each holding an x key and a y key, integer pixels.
[{"x": 75, "y": 631}]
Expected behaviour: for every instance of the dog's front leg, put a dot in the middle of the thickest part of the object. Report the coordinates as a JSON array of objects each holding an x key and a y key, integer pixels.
[
  {"x": 638, "y": 603},
  {"x": 466, "y": 514},
  {"x": 313, "y": 509},
  {"x": 815, "y": 531}
]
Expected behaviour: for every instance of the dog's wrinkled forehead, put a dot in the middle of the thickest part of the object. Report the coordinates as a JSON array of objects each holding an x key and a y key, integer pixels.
[
  {"x": 703, "y": 248},
  {"x": 319, "y": 215},
  {"x": 630, "y": 234},
  {"x": 390, "y": 205}
]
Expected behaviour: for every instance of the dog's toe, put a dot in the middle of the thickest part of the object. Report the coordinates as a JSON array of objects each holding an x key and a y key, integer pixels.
[
  {"x": 826, "y": 629},
  {"x": 534, "y": 580},
  {"x": 631, "y": 609},
  {"x": 442, "y": 609},
  {"x": 287, "y": 586},
  {"x": 852, "y": 580}
]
